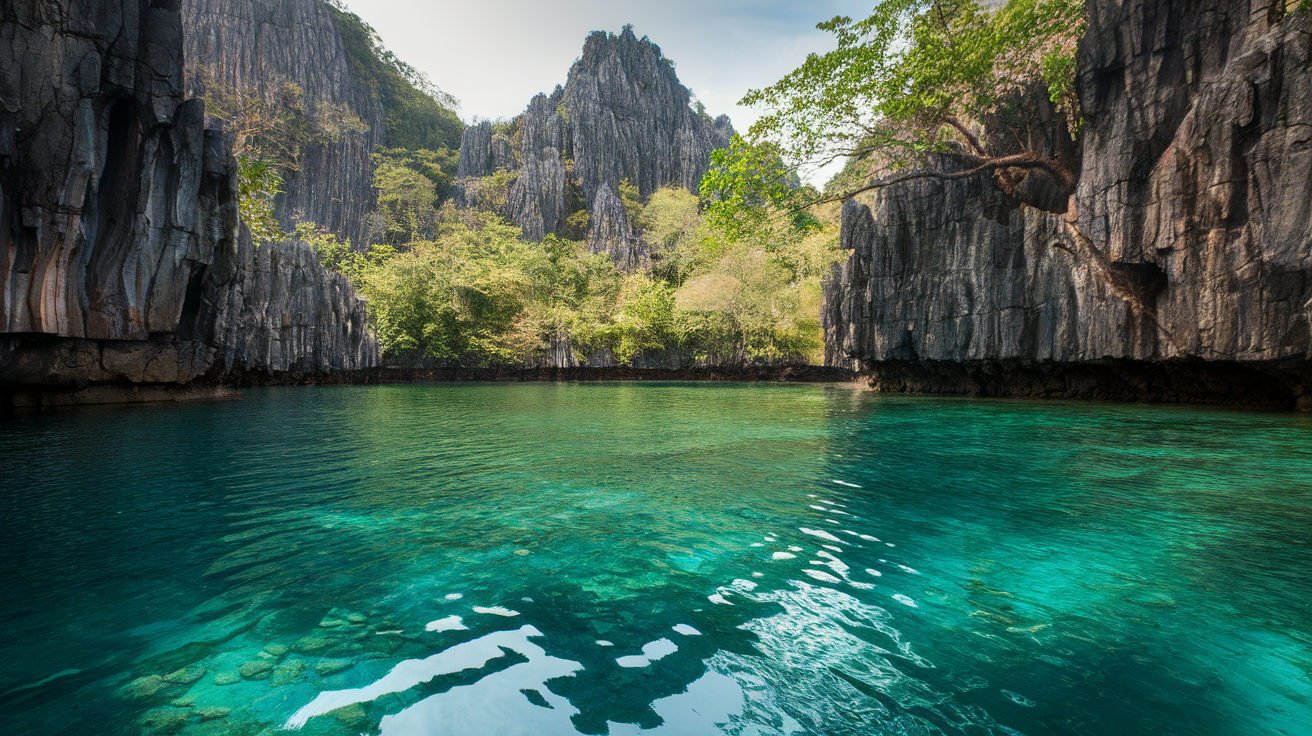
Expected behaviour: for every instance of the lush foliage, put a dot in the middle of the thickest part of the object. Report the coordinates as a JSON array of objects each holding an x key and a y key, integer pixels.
[
  {"x": 258, "y": 183},
  {"x": 749, "y": 182},
  {"x": 417, "y": 115},
  {"x": 920, "y": 76},
  {"x": 473, "y": 291},
  {"x": 410, "y": 185}
]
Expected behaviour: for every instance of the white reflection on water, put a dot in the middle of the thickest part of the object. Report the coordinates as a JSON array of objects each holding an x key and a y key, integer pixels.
[
  {"x": 450, "y": 623},
  {"x": 498, "y": 703},
  {"x": 517, "y": 702},
  {"x": 822, "y": 535},
  {"x": 651, "y": 652},
  {"x": 469, "y": 655}
]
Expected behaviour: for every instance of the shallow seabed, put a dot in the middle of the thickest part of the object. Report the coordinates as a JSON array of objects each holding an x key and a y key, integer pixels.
[{"x": 542, "y": 559}]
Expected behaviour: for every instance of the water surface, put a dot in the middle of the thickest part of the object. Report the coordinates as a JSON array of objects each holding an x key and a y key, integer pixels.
[{"x": 670, "y": 559}]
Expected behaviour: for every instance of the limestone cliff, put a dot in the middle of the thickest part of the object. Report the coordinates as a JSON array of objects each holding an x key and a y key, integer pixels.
[
  {"x": 621, "y": 115},
  {"x": 259, "y": 44},
  {"x": 118, "y": 223},
  {"x": 343, "y": 73},
  {"x": 1196, "y": 192}
]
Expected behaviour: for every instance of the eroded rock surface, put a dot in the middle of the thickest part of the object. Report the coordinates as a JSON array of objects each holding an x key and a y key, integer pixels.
[
  {"x": 622, "y": 115},
  {"x": 261, "y": 44},
  {"x": 122, "y": 259},
  {"x": 1195, "y": 189}
]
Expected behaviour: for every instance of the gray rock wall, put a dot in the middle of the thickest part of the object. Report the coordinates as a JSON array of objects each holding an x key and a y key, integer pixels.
[
  {"x": 1195, "y": 189},
  {"x": 630, "y": 118},
  {"x": 258, "y": 44},
  {"x": 539, "y": 195},
  {"x": 609, "y": 231},
  {"x": 105, "y": 213},
  {"x": 122, "y": 259},
  {"x": 622, "y": 115},
  {"x": 281, "y": 311}
]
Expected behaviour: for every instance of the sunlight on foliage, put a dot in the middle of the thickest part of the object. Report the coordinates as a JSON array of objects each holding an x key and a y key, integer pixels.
[
  {"x": 258, "y": 183},
  {"x": 917, "y": 75},
  {"x": 476, "y": 293}
]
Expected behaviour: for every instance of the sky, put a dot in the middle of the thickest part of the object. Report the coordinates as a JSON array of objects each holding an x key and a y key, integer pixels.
[{"x": 494, "y": 55}]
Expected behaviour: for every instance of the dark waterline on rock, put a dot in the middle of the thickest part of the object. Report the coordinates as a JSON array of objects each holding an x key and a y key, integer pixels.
[{"x": 689, "y": 559}]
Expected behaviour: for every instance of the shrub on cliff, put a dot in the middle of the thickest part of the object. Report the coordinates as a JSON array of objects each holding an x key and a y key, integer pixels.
[
  {"x": 269, "y": 129},
  {"x": 417, "y": 114}
]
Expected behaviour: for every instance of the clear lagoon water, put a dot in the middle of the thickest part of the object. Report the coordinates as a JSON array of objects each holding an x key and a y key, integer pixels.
[{"x": 671, "y": 559}]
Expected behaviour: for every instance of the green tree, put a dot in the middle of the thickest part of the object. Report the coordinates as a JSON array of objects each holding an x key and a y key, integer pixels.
[
  {"x": 920, "y": 76},
  {"x": 258, "y": 183},
  {"x": 634, "y": 210},
  {"x": 745, "y": 182},
  {"x": 334, "y": 253},
  {"x": 407, "y": 198}
]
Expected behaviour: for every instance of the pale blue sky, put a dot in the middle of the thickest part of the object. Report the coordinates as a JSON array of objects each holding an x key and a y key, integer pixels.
[{"x": 494, "y": 55}]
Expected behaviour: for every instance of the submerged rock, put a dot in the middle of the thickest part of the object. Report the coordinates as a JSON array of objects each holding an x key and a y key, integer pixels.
[
  {"x": 227, "y": 678},
  {"x": 256, "y": 669},
  {"x": 187, "y": 675},
  {"x": 333, "y": 666},
  {"x": 288, "y": 672},
  {"x": 277, "y": 650},
  {"x": 352, "y": 716},
  {"x": 144, "y": 687},
  {"x": 314, "y": 644},
  {"x": 163, "y": 720},
  {"x": 213, "y": 713}
]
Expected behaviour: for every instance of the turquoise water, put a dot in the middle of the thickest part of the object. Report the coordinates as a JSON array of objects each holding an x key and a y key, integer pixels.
[{"x": 492, "y": 560}]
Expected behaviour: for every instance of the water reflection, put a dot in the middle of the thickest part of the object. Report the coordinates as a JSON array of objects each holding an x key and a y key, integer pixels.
[{"x": 655, "y": 559}]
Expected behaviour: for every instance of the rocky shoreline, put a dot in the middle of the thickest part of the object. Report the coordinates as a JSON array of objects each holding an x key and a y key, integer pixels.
[{"x": 1273, "y": 386}]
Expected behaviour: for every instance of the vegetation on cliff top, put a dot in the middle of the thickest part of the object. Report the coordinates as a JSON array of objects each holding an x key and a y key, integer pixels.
[
  {"x": 924, "y": 77},
  {"x": 272, "y": 125},
  {"x": 417, "y": 114},
  {"x": 269, "y": 129}
]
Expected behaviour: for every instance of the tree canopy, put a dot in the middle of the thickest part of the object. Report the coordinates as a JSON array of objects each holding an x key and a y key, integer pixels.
[{"x": 919, "y": 77}]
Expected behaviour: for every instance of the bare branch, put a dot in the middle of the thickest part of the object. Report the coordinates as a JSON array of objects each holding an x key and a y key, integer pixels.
[
  {"x": 965, "y": 133},
  {"x": 1016, "y": 161}
]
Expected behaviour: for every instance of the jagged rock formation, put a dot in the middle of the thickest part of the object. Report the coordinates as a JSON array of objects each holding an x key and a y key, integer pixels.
[
  {"x": 118, "y": 223},
  {"x": 609, "y": 231},
  {"x": 483, "y": 152},
  {"x": 621, "y": 115},
  {"x": 1195, "y": 191},
  {"x": 108, "y": 212},
  {"x": 259, "y": 44},
  {"x": 631, "y": 119},
  {"x": 280, "y": 311}
]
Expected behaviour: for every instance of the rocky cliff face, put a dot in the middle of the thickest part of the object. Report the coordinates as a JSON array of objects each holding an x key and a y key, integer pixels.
[
  {"x": 118, "y": 225},
  {"x": 1196, "y": 192},
  {"x": 259, "y": 44},
  {"x": 622, "y": 115}
]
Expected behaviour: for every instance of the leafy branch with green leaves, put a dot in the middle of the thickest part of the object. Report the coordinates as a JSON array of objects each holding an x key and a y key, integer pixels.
[{"x": 920, "y": 77}]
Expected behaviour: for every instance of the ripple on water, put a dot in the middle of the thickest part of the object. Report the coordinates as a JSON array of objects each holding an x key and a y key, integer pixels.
[{"x": 294, "y": 571}]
